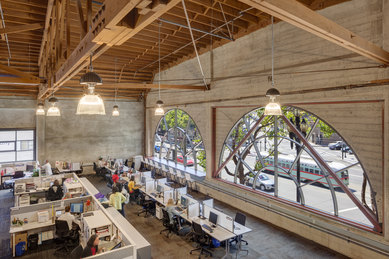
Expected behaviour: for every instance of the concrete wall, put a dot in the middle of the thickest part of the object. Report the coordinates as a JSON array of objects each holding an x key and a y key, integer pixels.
[
  {"x": 75, "y": 137},
  {"x": 86, "y": 137},
  {"x": 310, "y": 73}
]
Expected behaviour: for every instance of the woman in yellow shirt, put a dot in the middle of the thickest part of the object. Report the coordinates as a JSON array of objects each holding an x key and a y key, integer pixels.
[
  {"x": 117, "y": 199},
  {"x": 133, "y": 189}
]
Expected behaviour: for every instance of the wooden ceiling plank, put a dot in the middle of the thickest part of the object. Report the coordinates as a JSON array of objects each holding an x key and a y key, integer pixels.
[
  {"x": 25, "y": 77},
  {"x": 45, "y": 31}
]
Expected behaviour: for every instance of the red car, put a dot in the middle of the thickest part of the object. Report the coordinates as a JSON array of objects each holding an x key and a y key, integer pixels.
[{"x": 189, "y": 162}]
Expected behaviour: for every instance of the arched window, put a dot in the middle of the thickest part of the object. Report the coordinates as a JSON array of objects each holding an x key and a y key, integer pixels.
[
  {"x": 178, "y": 139},
  {"x": 299, "y": 158}
]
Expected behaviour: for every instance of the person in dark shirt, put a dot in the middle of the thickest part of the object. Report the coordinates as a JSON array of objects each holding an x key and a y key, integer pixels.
[
  {"x": 55, "y": 192},
  {"x": 92, "y": 247}
]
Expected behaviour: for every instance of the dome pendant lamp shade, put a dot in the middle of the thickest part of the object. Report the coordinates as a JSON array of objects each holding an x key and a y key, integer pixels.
[
  {"x": 90, "y": 104},
  {"x": 159, "y": 111},
  {"x": 53, "y": 110},
  {"x": 273, "y": 108},
  {"x": 115, "y": 111},
  {"x": 40, "y": 109}
]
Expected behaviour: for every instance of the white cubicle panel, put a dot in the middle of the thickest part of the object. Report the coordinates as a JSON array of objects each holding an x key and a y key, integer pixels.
[
  {"x": 150, "y": 187},
  {"x": 208, "y": 203},
  {"x": 162, "y": 181},
  {"x": 179, "y": 192},
  {"x": 167, "y": 195},
  {"x": 223, "y": 220},
  {"x": 123, "y": 252},
  {"x": 193, "y": 210},
  {"x": 165, "y": 167},
  {"x": 147, "y": 174}
]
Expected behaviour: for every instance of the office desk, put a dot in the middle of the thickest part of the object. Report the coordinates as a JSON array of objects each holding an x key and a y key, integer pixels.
[
  {"x": 157, "y": 198},
  {"x": 26, "y": 227}
]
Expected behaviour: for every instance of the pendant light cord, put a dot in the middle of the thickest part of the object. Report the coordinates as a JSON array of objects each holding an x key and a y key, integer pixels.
[
  {"x": 116, "y": 79},
  {"x": 159, "y": 61},
  {"x": 272, "y": 53}
]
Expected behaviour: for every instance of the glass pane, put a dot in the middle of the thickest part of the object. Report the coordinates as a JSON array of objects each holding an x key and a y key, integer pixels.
[
  {"x": 25, "y": 145},
  {"x": 7, "y": 135},
  {"x": 7, "y": 157},
  {"x": 25, "y": 155},
  {"x": 7, "y": 146},
  {"x": 25, "y": 135}
]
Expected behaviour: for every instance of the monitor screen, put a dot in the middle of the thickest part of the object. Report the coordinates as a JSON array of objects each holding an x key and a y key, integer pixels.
[
  {"x": 159, "y": 188},
  {"x": 212, "y": 217},
  {"x": 183, "y": 201},
  {"x": 58, "y": 213},
  {"x": 143, "y": 179},
  {"x": 76, "y": 207}
]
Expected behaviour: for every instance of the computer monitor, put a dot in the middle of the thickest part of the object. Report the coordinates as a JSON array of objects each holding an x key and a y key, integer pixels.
[
  {"x": 29, "y": 168},
  {"x": 184, "y": 201},
  {"x": 143, "y": 180},
  {"x": 77, "y": 207},
  {"x": 117, "y": 246},
  {"x": 213, "y": 217},
  {"x": 58, "y": 213},
  {"x": 159, "y": 188}
]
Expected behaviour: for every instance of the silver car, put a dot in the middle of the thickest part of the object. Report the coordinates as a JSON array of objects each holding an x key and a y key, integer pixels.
[{"x": 264, "y": 183}]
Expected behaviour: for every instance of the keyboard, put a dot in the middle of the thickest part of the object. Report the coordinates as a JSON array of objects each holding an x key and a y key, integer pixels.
[
  {"x": 179, "y": 209},
  {"x": 207, "y": 227},
  {"x": 153, "y": 194}
]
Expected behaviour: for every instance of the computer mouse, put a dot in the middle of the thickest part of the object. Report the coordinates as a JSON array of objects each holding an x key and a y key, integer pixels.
[{"x": 211, "y": 230}]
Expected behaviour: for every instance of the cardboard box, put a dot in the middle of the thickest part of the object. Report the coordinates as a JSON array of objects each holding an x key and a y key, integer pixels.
[{"x": 20, "y": 237}]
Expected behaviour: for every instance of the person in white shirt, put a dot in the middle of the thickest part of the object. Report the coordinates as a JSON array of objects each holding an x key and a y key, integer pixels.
[
  {"x": 47, "y": 168},
  {"x": 101, "y": 163},
  {"x": 69, "y": 218}
]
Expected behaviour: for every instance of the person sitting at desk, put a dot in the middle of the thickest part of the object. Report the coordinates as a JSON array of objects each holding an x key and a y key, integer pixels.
[
  {"x": 101, "y": 163},
  {"x": 171, "y": 210},
  {"x": 69, "y": 218},
  {"x": 92, "y": 247},
  {"x": 132, "y": 187},
  {"x": 55, "y": 192},
  {"x": 115, "y": 177},
  {"x": 47, "y": 168},
  {"x": 116, "y": 199}
]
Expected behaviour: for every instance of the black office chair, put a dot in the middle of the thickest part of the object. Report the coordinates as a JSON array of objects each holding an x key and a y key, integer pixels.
[
  {"x": 166, "y": 223},
  {"x": 147, "y": 206},
  {"x": 66, "y": 237},
  {"x": 241, "y": 219},
  {"x": 109, "y": 180},
  {"x": 201, "y": 238},
  {"x": 18, "y": 174},
  {"x": 77, "y": 252}
]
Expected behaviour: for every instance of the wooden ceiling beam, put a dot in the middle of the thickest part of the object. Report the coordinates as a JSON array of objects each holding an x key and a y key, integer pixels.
[
  {"x": 21, "y": 28},
  {"x": 304, "y": 18},
  {"x": 49, "y": 9},
  {"x": 21, "y": 76},
  {"x": 154, "y": 86}
]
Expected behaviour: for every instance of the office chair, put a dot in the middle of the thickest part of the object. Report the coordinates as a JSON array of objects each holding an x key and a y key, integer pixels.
[
  {"x": 201, "y": 239},
  {"x": 109, "y": 180},
  {"x": 67, "y": 240},
  {"x": 18, "y": 174},
  {"x": 241, "y": 219},
  {"x": 166, "y": 223},
  {"x": 147, "y": 206},
  {"x": 76, "y": 252}
]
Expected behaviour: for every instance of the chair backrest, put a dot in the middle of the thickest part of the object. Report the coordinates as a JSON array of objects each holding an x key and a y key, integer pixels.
[
  {"x": 61, "y": 227},
  {"x": 240, "y": 218},
  {"x": 171, "y": 170},
  {"x": 165, "y": 219},
  {"x": 76, "y": 252},
  {"x": 94, "y": 166},
  {"x": 197, "y": 229},
  {"x": 18, "y": 174}
]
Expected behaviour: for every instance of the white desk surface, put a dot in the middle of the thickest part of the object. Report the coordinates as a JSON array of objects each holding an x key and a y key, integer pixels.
[
  {"x": 30, "y": 226},
  {"x": 38, "y": 190},
  {"x": 97, "y": 220},
  {"x": 157, "y": 199},
  {"x": 218, "y": 233},
  {"x": 240, "y": 229}
]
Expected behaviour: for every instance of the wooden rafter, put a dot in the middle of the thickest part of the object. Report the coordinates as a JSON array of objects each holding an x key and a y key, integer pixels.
[
  {"x": 303, "y": 17},
  {"x": 18, "y": 76},
  {"x": 150, "y": 86},
  {"x": 21, "y": 28}
]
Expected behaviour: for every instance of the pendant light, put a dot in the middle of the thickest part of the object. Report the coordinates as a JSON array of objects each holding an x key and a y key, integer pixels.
[
  {"x": 53, "y": 110},
  {"x": 272, "y": 108},
  {"x": 159, "y": 111},
  {"x": 40, "y": 110},
  {"x": 115, "y": 111},
  {"x": 91, "y": 103}
]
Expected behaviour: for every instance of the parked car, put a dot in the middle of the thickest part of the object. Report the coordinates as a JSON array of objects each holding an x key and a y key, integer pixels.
[
  {"x": 189, "y": 162},
  {"x": 336, "y": 146},
  {"x": 264, "y": 183}
]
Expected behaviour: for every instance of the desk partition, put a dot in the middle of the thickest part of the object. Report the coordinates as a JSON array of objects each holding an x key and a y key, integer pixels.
[{"x": 223, "y": 219}]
